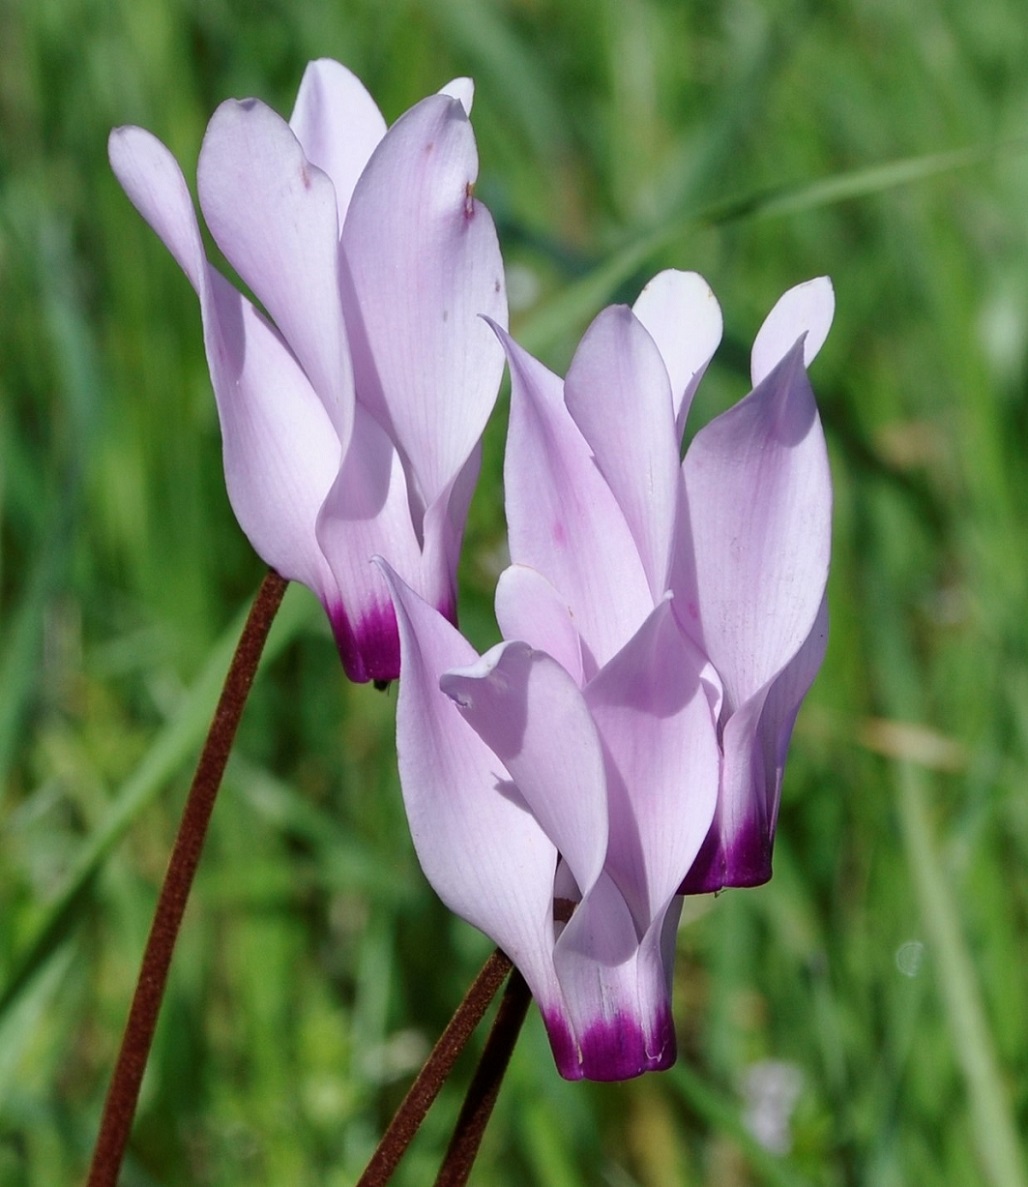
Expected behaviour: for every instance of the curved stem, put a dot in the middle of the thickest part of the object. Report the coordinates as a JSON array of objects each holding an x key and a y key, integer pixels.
[
  {"x": 123, "y": 1094},
  {"x": 484, "y": 1088},
  {"x": 432, "y": 1076}
]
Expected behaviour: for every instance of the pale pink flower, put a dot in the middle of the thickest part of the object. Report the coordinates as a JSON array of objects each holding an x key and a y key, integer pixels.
[
  {"x": 664, "y": 621},
  {"x": 352, "y": 401}
]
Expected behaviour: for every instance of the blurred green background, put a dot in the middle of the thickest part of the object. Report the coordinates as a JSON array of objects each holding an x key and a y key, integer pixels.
[{"x": 873, "y": 999}]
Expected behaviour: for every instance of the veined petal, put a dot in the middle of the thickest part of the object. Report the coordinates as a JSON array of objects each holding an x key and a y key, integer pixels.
[
  {"x": 274, "y": 216},
  {"x": 760, "y": 503},
  {"x": 806, "y": 309},
  {"x": 562, "y": 518},
  {"x": 783, "y": 704},
  {"x": 616, "y": 1018},
  {"x": 483, "y": 852},
  {"x": 530, "y": 609},
  {"x": 338, "y": 125},
  {"x": 366, "y": 514},
  {"x": 618, "y": 393},
  {"x": 281, "y": 453},
  {"x": 531, "y": 714},
  {"x": 279, "y": 449},
  {"x": 443, "y": 531},
  {"x": 421, "y": 263},
  {"x": 153, "y": 181},
  {"x": 683, "y": 317},
  {"x": 663, "y": 765},
  {"x": 738, "y": 848}
]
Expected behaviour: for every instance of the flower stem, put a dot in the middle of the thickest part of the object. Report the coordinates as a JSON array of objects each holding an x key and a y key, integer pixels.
[
  {"x": 432, "y": 1076},
  {"x": 484, "y": 1088},
  {"x": 123, "y": 1094}
]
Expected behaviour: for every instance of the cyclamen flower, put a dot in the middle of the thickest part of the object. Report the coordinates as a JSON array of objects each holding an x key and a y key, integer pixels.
[
  {"x": 663, "y": 622},
  {"x": 352, "y": 406}
]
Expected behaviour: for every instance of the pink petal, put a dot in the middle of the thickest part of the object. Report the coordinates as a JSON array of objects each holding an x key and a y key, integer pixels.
[
  {"x": 273, "y": 214},
  {"x": 683, "y": 317},
  {"x": 530, "y": 609},
  {"x": 618, "y": 394},
  {"x": 482, "y": 851},
  {"x": 662, "y": 760},
  {"x": 338, "y": 125},
  {"x": 783, "y": 704},
  {"x": 615, "y": 1021},
  {"x": 423, "y": 262},
  {"x": 737, "y": 851},
  {"x": 532, "y": 715},
  {"x": 366, "y": 515},
  {"x": 443, "y": 532},
  {"x": 563, "y": 520},
  {"x": 760, "y": 505},
  {"x": 151, "y": 178},
  {"x": 806, "y": 309},
  {"x": 281, "y": 453}
]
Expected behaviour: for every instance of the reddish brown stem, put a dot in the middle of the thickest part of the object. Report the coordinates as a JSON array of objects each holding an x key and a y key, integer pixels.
[
  {"x": 123, "y": 1094},
  {"x": 432, "y": 1076},
  {"x": 484, "y": 1088}
]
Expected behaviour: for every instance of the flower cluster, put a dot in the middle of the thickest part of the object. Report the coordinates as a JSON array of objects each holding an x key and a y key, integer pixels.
[
  {"x": 350, "y": 420},
  {"x": 662, "y": 619}
]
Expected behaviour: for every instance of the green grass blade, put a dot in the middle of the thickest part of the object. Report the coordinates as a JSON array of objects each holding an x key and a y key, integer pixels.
[
  {"x": 582, "y": 299},
  {"x": 172, "y": 747},
  {"x": 859, "y": 183},
  {"x": 993, "y": 1123}
]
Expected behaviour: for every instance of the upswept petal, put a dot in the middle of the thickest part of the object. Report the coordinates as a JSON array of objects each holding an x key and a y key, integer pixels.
[
  {"x": 682, "y": 315},
  {"x": 529, "y": 608},
  {"x": 562, "y": 518},
  {"x": 616, "y": 1021},
  {"x": 281, "y": 453},
  {"x": 533, "y": 717},
  {"x": 153, "y": 182},
  {"x": 421, "y": 263},
  {"x": 483, "y": 852},
  {"x": 462, "y": 89},
  {"x": 618, "y": 393},
  {"x": 364, "y": 515},
  {"x": 274, "y": 216},
  {"x": 760, "y": 502},
  {"x": 806, "y": 309},
  {"x": 662, "y": 759},
  {"x": 739, "y": 846},
  {"x": 338, "y": 125}
]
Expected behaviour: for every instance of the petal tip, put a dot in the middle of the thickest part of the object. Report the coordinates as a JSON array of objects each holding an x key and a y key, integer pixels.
[
  {"x": 806, "y": 309},
  {"x": 461, "y": 89}
]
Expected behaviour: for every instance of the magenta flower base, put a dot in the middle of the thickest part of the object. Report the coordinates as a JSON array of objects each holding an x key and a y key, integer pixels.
[{"x": 614, "y": 1049}]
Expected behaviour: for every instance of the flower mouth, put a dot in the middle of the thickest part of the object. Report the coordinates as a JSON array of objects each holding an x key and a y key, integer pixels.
[{"x": 563, "y": 909}]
